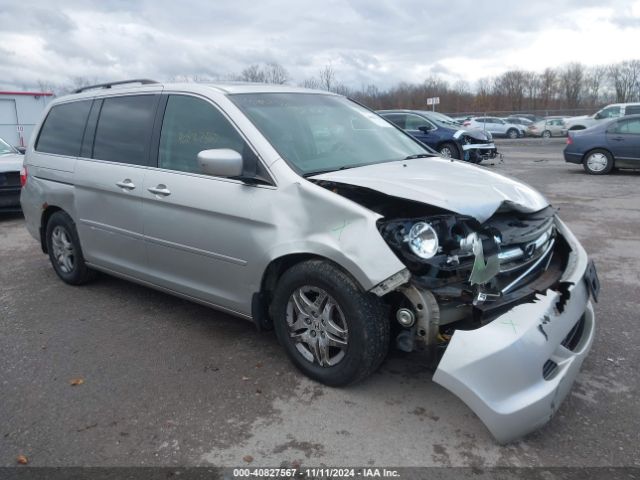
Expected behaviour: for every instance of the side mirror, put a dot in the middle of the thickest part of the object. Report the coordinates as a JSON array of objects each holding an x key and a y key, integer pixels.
[
  {"x": 598, "y": 116},
  {"x": 425, "y": 128},
  {"x": 220, "y": 162},
  {"x": 21, "y": 150}
]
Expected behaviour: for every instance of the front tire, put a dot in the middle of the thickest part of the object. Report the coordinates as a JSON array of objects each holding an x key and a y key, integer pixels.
[
  {"x": 449, "y": 150},
  {"x": 512, "y": 133},
  {"x": 64, "y": 250},
  {"x": 331, "y": 330},
  {"x": 598, "y": 162}
]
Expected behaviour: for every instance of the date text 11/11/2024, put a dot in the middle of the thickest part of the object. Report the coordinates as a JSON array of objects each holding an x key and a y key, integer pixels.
[{"x": 315, "y": 472}]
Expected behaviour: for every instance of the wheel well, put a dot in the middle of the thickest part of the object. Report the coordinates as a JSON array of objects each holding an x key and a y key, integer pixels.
[
  {"x": 46, "y": 214},
  {"x": 578, "y": 127},
  {"x": 261, "y": 302}
]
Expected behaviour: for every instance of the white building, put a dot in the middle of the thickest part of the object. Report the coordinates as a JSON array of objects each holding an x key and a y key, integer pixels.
[{"x": 19, "y": 113}]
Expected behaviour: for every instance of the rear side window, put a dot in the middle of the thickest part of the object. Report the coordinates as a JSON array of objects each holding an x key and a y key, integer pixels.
[
  {"x": 632, "y": 110},
  {"x": 124, "y": 129},
  {"x": 63, "y": 128}
]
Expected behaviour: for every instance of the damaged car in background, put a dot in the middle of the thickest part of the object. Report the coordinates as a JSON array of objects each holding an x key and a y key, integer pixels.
[
  {"x": 444, "y": 135},
  {"x": 307, "y": 213}
]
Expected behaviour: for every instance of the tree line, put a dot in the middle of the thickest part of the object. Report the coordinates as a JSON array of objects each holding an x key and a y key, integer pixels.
[{"x": 570, "y": 88}]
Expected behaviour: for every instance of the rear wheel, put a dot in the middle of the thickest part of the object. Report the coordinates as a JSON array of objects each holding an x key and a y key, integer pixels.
[
  {"x": 546, "y": 134},
  {"x": 331, "y": 330},
  {"x": 598, "y": 162},
  {"x": 64, "y": 250},
  {"x": 449, "y": 150},
  {"x": 512, "y": 133}
]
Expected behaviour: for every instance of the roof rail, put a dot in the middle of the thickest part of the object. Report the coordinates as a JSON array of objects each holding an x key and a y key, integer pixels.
[{"x": 141, "y": 81}]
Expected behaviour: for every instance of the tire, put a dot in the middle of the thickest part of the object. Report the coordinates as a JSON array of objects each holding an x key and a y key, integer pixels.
[
  {"x": 546, "y": 134},
  {"x": 512, "y": 133},
  {"x": 65, "y": 251},
  {"x": 598, "y": 162},
  {"x": 449, "y": 150},
  {"x": 361, "y": 317}
]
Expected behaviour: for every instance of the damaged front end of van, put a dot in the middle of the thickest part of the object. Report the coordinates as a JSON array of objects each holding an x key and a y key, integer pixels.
[{"x": 496, "y": 290}]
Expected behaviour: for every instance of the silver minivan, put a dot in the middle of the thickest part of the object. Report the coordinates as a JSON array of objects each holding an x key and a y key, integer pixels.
[{"x": 305, "y": 212}]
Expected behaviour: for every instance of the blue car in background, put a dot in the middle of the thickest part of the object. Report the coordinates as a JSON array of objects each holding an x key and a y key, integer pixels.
[
  {"x": 601, "y": 148},
  {"x": 443, "y": 135}
]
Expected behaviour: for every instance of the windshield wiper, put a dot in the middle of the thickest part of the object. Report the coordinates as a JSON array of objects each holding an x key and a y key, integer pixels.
[
  {"x": 419, "y": 155},
  {"x": 320, "y": 172}
]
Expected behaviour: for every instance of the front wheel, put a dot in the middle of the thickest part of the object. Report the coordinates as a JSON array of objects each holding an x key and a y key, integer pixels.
[
  {"x": 448, "y": 150},
  {"x": 598, "y": 162},
  {"x": 332, "y": 331},
  {"x": 512, "y": 133}
]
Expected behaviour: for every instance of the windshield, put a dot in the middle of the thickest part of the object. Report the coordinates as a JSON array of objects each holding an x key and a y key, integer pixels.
[
  {"x": 5, "y": 147},
  {"x": 442, "y": 119},
  {"x": 317, "y": 133}
]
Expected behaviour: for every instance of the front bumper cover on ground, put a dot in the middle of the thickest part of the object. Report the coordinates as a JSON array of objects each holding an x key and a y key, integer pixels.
[{"x": 497, "y": 370}]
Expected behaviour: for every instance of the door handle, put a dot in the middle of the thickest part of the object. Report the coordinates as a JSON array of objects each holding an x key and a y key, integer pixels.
[
  {"x": 160, "y": 190},
  {"x": 618, "y": 139},
  {"x": 127, "y": 184}
]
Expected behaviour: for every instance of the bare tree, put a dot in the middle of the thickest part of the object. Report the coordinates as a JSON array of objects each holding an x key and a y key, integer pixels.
[
  {"x": 275, "y": 73},
  {"x": 548, "y": 86},
  {"x": 253, "y": 73},
  {"x": 571, "y": 83},
  {"x": 625, "y": 77},
  {"x": 593, "y": 83},
  {"x": 271, "y": 72},
  {"x": 327, "y": 77},
  {"x": 512, "y": 85}
]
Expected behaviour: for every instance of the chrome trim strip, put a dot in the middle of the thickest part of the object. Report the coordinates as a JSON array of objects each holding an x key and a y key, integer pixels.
[{"x": 530, "y": 269}]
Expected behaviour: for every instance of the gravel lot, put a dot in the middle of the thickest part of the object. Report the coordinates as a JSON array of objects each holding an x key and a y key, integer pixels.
[{"x": 168, "y": 382}]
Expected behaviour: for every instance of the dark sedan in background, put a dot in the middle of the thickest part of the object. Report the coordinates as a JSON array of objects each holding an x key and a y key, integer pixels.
[
  {"x": 614, "y": 144},
  {"x": 444, "y": 136},
  {"x": 10, "y": 183}
]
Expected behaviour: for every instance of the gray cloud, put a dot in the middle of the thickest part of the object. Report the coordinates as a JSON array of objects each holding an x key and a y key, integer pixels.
[{"x": 382, "y": 41}]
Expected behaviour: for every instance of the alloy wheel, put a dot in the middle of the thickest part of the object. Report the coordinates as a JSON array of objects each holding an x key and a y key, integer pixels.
[
  {"x": 63, "y": 250},
  {"x": 317, "y": 326}
]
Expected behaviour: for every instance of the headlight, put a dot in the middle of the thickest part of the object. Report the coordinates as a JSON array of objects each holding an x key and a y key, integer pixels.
[{"x": 423, "y": 240}]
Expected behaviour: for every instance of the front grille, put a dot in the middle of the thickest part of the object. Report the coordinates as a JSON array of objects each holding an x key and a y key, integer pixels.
[
  {"x": 572, "y": 339},
  {"x": 548, "y": 369}
]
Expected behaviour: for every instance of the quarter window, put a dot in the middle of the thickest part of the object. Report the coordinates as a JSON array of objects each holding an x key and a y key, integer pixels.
[
  {"x": 63, "y": 128},
  {"x": 124, "y": 129},
  {"x": 191, "y": 125}
]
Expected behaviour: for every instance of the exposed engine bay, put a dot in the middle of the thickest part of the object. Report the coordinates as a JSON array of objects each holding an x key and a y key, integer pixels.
[{"x": 475, "y": 272}]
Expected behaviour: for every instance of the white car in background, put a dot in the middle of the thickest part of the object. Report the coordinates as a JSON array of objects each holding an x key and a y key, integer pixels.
[
  {"x": 10, "y": 179},
  {"x": 607, "y": 113},
  {"x": 496, "y": 126}
]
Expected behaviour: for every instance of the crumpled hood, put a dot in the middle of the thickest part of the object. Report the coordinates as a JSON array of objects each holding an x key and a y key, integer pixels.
[
  {"x": 456, "y": 186},
  {"x": 478, "y": 134},
  {"x": 11, "y": 162}
]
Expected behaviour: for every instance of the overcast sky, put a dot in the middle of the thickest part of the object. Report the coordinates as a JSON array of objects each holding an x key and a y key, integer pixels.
[{"x": 366, "y": 41}]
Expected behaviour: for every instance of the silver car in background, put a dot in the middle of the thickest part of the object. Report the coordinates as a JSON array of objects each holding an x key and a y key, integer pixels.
[
  {"x": 550, "y": 127},
  {"x": 496, "y": 126},
  {"x": 305, "y": 212}
]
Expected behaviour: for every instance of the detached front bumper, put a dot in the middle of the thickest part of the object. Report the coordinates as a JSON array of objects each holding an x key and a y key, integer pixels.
[
  {"x": 476, "y": 152},
  {"x": 515, "y": 371}
]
